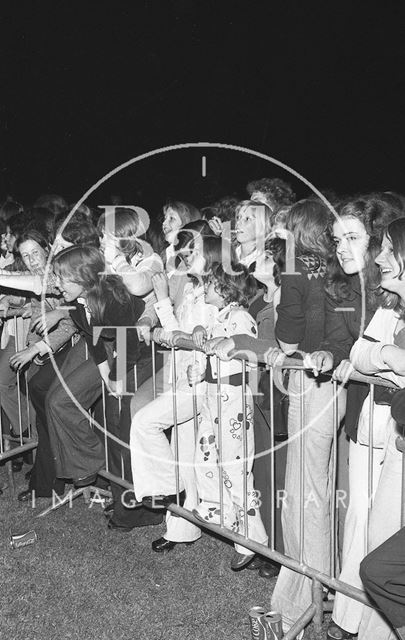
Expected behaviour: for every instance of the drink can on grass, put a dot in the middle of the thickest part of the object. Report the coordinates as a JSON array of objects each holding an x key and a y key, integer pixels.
[
  {"x": 22, "y": 539},
  {"x": 273, "y": 621},
  {"x": 258, "y": 625}
]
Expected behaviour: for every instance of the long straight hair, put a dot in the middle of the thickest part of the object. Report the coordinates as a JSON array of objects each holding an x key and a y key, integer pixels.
[
  {"x": 85, "y": 266},
  {"x": 308, "y": 222},
  {"x": 126, "y": 231}
]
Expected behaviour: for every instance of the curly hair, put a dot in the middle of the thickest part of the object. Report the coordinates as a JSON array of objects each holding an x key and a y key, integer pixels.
[
  {"x": 277, "y": 190},
  {"x": 225, "y": 208},
  {"x": 79, "y": 230},
  {"x": 10, "y": 208},
  {"x": 238, "y": 286},
  {"x": 54, "y": 203},
  {"x": 375, "y": 214},
  {"x": 85, "y": 266},
  {"x": 395, "y": 232}
]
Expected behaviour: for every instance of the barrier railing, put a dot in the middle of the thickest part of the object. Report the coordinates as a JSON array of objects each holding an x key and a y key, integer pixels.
[
  {"x": 319, "y": 579},
  {"x": 23, "y": 441}
]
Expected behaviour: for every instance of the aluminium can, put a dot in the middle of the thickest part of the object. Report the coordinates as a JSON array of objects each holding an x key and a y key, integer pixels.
[
  {"x": 273, "y": 622},
  {"x": 258, "y": 624},
  {"x": 22, "y": 539}
]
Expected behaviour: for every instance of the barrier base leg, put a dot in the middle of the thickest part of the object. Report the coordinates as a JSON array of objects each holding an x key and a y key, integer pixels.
[
  {"x": 317, "y": 599},
  {"x": 328, "y": 606},
  {"x": 301, "y": 623},
  {"x": 9, "y": 467},
  {"x": 86, "y": 492}
]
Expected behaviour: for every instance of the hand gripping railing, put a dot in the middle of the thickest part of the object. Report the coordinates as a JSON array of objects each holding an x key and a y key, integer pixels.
[
  {"x": 11, "y": 447},
  {"x": 319, "y": 580}
]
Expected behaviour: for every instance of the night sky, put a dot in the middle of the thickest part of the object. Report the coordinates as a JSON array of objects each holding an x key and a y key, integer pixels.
[{"x": 87, "y": 86}]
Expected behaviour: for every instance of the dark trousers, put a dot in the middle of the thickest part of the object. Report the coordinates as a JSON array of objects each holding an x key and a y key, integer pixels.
[
  {"x": 118, "y": 423},
  {"x": 76, "y": 444},
  {"x": 383, "y": 576},
  {"x": 43, "y": 477},
  {"x": 262, "y": 473}
]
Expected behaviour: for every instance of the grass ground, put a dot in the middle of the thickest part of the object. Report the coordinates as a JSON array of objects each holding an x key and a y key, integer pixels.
[{"x": 83, "y": 581}]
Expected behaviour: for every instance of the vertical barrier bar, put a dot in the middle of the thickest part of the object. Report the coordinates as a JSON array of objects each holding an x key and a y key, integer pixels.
[
  {"x": 302, "y": 461},
  {"x": 1, "y": 433},
  {"x": 135, "y": 378},
  {"x": 27, "y": 399},
  {"x": 153, "y": 369},
  {"x": 403, "y": 484},
  {"x": 245, "y": 451},
  {"x": 105, "y": 425},
  {"x": 219, "y": 444},
  {"x": 333, "y": 531},
  {"x": 175, "y": 426},
  {"x": 86, "y": 355},
  {"x": 119, "y": 410},
  {"x": 370, "y": 463},
  {"x": 195, "y": 410},
  {"x": 18, "y": 381},
  {"x": 272, "y": 461},
  {"x": 317, "y": 599}
]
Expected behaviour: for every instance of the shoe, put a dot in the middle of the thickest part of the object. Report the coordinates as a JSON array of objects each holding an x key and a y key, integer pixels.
[
  {"x": 161, "y": 544},
  {"x": 28, "y": 458},
  {"x": 109, "y": 510},
  {"x": 16, "y": 436},
  {"x": 334, "y": 632},
  {"x": 87, "y": 481},
  {"x": 25, "y": 496},
  {"x": 162, "y": 502},
  {"x": 241, "y": 560},
  {"x": 17, "y": 465},
  {"x": 118, "y": 527},
  {"x": 268, "y": 570},
  {"x": 257, "y": 563}
]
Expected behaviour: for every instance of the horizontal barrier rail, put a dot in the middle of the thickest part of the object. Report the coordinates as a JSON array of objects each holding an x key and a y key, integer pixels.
[{"x": 315, "y": 611}]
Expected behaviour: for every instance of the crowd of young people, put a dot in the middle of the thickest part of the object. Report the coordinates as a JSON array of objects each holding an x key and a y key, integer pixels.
[{"x": 221, "y": 276}]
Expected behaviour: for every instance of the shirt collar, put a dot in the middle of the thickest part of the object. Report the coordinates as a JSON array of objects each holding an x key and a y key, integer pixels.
[{"x": 223, "y": 313}]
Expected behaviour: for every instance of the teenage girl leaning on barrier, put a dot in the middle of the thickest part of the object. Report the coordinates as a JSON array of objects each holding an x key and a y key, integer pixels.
[
  {"x": 152, "y": 456},
  {"x": 34, "y": 249},
  {"x": 381, "y": 352},
  {"x": 352, "y": 283},
  {"x": 299, "y": 328}
]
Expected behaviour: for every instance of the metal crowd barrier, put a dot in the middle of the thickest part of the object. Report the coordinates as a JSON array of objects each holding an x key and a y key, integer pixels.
[
  {"x": 319, "y": 580},
  {"x": 11, "y": 447}
]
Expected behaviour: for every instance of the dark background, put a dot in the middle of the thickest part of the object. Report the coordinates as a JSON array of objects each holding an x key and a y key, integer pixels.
[{"x": 87, "y": 86}]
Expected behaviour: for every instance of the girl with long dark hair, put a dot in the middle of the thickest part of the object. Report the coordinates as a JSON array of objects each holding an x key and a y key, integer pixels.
[
  {"x": 101, "y": 305},
  {"x": 352, "y": 296}
]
